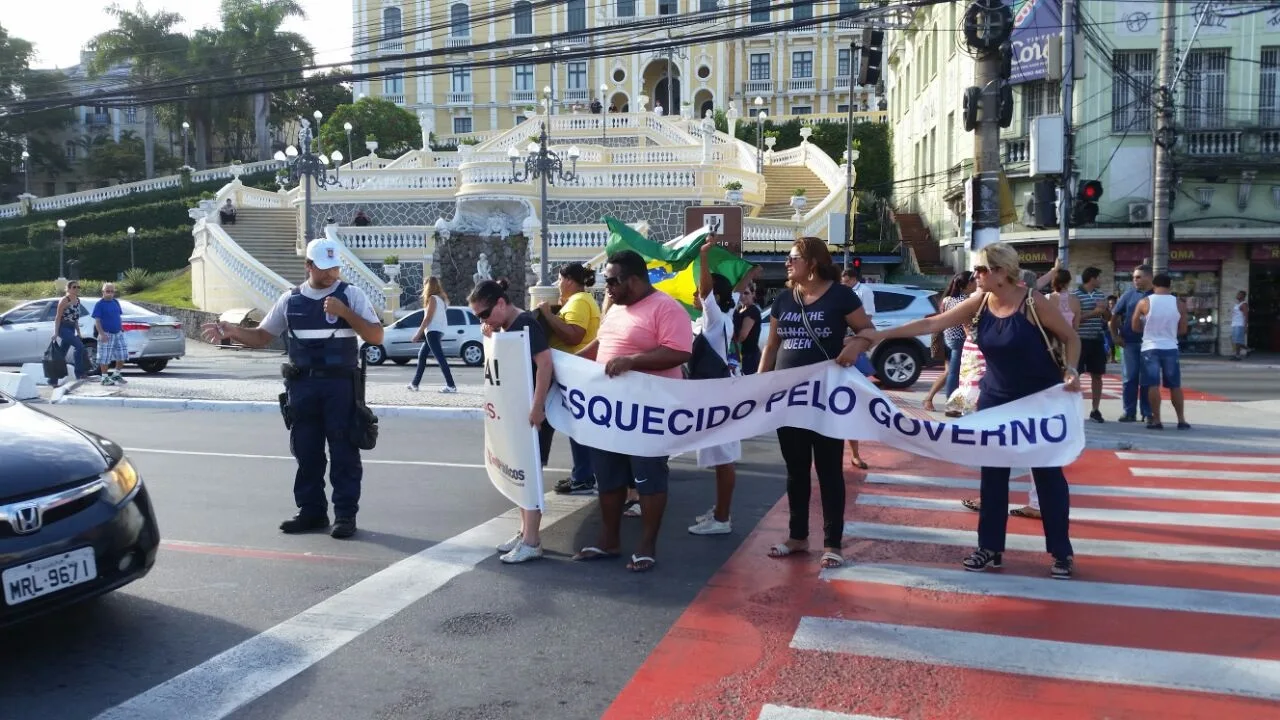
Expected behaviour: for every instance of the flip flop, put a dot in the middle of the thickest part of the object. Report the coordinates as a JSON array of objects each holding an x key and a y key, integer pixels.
[
  {"x": 592, "y": 552},
  {"x": 641, "y": 563},
  {"x": 781, "y": 550},
  {"x": 831, "y": 561},
  {"x": 972, "y": 504},
  {"x": 1026, "y": 512},
  {"x": 632, "y": 509},
  {"x": 859, "y": 463}
]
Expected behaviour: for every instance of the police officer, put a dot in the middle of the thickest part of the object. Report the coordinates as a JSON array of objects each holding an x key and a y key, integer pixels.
[{"x": 324, "y": 320}]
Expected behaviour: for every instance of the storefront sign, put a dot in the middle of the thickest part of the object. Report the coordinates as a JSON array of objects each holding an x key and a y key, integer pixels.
[
  {"x": 1136, "y": 253},
  {"x": 1265, "y": 252},
  {"x": 1036, "y": 254},
  {"x": 1036, "y": 23}
]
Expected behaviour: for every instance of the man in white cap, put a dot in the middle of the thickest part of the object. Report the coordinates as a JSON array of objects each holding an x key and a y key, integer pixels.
[{"x": 325, "y": 319}]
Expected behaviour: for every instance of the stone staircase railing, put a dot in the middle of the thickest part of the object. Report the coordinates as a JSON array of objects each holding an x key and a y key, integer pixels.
[{"x": 254, "y": 282}]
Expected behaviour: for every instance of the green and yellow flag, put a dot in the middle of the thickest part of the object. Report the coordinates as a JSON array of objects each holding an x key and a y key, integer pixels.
[{"x": 674, "y": 270}]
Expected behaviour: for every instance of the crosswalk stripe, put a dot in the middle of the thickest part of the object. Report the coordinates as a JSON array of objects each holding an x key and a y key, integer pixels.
[
  {"x": 1101, "y": 548},
  {"x": 1207, "y": 459},
  {"x": 1206, "y": 474},
  {"x": 782, "y": 712},
  {"x": 1245, "y": 677},
  {"x": 1088, "y": 593},
  {"x": 1138, "y": 517},
  {"x": 1089, "y": 490}
]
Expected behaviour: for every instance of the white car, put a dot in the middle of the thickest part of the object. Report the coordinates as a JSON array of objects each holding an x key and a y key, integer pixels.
[
  {"x": 153, "y": 339},
  {"x": 898, "y": 363},
  {"x": 462, "y": 339}
]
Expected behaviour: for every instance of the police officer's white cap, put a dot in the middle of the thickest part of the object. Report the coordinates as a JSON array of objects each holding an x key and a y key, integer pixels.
[{"x": 323, "y": 253}]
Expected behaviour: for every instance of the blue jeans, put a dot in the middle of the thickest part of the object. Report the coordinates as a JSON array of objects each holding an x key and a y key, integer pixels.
[
  {"x": 953, "y": 367},
  {"x": 1135, "y": 394},
  {"x": 322, "y": 410},
  {"x": 1055, "y": 509},
  {"x": 1157, "y": 364},
  {"x": 432, "y": 345},
  {"x": 69, "y": 336},
  {"x": 582, "y": 472}
]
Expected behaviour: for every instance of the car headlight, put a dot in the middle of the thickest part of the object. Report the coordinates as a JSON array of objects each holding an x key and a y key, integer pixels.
[{"x": 120, "y": 480}]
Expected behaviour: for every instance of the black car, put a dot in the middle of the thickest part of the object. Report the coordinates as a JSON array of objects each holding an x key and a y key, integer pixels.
[{"x": 75, "y": 519}]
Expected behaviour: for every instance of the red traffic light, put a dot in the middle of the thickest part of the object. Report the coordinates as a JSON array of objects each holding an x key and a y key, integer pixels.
[
  {"x": 857, "y": 263},
  {"x": 1091, "y": 191}
]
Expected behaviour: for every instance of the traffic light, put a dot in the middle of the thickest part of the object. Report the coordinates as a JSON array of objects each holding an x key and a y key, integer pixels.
[
  {"x": 1085, "y": 208},
  {"x": 872, "y": 58},
  {"x": 857, "y": 263}
]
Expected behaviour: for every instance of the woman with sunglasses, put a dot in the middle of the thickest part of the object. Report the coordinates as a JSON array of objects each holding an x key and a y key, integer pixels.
[
  {"x": 808, "y": 326},
  {"x": 66, "y": 328},
  {"x": 1012, "y": 324},
  {"x": 489, "y": 302}
]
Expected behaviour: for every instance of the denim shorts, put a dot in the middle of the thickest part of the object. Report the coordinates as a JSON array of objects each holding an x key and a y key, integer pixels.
[
  {"x": 615, "y": 470},
  {"x": 1237, "y": 335},
  {"x": 1161, "y": 363}
]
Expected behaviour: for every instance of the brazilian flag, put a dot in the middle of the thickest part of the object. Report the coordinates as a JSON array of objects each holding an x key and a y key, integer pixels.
[{"x": 674, "y": 270}]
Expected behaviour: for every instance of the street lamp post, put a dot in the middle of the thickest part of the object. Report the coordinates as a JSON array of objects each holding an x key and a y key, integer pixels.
[
  {"x": 131, "y": 232},
  {"x": 62, "y": 246},
  {"x": 546, "y": 166},
  {"x": 346, "y": 127},
  {"x": 760, "y": 118},
  {"x": 309, "y": 167},
  {"x": 186, "y": 127},
  {"x": 671, "y": 87},
  {"x": 604, "y": 112},
  {"x": 26, "y": 172}
]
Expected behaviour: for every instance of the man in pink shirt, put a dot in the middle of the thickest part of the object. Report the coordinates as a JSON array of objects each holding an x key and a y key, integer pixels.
[{"x": 646, "y": 331}]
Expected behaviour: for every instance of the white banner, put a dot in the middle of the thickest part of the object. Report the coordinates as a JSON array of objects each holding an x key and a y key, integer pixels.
[
  {"x": 511, "y": 453},
  {"x": 644, "y": 415}
]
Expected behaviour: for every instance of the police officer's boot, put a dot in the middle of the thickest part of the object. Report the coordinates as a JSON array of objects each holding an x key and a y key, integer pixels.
[
  {"x": 304, "y": 523},
  {"x": 343, "y": 527}
]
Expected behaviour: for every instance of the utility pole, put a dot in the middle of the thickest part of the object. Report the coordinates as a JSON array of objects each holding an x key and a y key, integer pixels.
[
  {"x": 1068, "y": 140},
  {"x": 855, "y": 64},
  {"x": 1163, "y": 185},
  {"x": 988, "y": 25}
]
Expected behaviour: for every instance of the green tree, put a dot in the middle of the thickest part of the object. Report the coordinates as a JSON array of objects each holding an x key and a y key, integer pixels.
[
  {"x": 396, "y": 129},
  {"x": 153, "y": 50},
  {"x": 324, "y": 92},
  {"x": 32, "y": 131},
  {"x": 123, "y": 160},
  {"x": 874, "y": 166},
  {"x": 256, "y": 45}
]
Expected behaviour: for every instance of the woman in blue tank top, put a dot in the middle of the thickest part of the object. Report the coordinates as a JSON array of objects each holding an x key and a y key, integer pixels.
[{"x": 1019, "y": 364}]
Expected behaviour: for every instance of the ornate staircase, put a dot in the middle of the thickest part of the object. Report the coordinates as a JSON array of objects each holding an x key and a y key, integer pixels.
[
  {"x": 270, "y": 235},
  {"x": 915, "y": 235},
  {"x": 782, "y": 182}
]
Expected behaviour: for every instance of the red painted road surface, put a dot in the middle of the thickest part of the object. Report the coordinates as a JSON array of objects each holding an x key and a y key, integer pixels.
[
  {"x": 1112, "y": 387},
  {"x": 1174, "y": 611}
]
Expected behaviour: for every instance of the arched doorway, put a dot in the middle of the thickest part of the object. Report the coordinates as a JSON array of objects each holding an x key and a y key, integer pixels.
[
  {"x": 702, "y": 100},
  {"x": 655, "y": 81},
  {"x": 619, "y": 103}
]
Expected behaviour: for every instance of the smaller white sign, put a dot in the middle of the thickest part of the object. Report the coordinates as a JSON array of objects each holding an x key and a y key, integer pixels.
[{"x": 511, "y": 452}]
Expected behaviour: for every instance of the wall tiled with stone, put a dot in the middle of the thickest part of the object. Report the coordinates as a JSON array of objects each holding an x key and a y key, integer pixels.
[
  {"x": 381, "y": 213},
  {"x": 410, "y": 280},
  {"x": 665, "y": 217}
]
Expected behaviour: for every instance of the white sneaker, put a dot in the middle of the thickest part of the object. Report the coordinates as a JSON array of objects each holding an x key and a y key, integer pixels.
[
  {"x": 711, "y": 526},
  {"x": 119, "y": 378},
  {"x": 522, "y": 553},
  {"x": 511, "y": 544},
  {"x": 446, "y": 390},
  {"x": 411, "y": 388},
  {"x": 710, "y": 514}
]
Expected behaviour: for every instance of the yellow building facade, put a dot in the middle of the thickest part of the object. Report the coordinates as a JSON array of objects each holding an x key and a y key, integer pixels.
[{"x": 795, "y": 72}]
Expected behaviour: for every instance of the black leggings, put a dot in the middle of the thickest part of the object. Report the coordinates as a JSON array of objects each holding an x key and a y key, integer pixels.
[{"x": 802, "y": 449}]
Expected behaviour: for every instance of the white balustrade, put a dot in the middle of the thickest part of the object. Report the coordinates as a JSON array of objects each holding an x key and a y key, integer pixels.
[
  {"x": 385, "y": 238},
  {"x": 398, "y": 98},
  {"x": 10, "y": 210},
  {"x": 355, "y": 272},
  {"x": 623, "y": 179},
  {"x": 759, "y": 87},
  {"x": 388, "y": 179},
  {"x": 578, "y": 236},
  {"x": 821, "y": 164},
  {"x": 768, "y": 230},
  {"x": 794, "y": 156},
  {"x": 802, "y": 85},
  {"x": 1213, "y": 142},
  {"x": 486, "y": 174},
  {"x": 262, "y": 283},
  {"x": 1270, "y": 142},
  {"x": 459, "y": 98}
]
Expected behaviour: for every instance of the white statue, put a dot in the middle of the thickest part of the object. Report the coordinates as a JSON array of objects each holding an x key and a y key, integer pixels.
[
  {"x": 483, "y": 271},
  {"x": 498, "y": 226}
]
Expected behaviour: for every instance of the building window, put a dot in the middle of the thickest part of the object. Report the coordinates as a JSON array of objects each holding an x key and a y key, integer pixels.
[
  {"x": 842, "y": 63},
  {"x": 524, "y": 78},
  {"x": 1205, "y": 89},
  {"x": 1043, "y": 97},
  {"x": 802, "y": 110},
  {"x": 626, "y": 8},
  {"x": 393, "y": 84},
  {"x": 1132, "y": 72},
  {"x": 708, "y": 6},
  {"x": 461, "y": 125},
  {"x": 802, "y": 64},
  {"x": 577, "y": 13},
  {"x": 577, "y": 74},
  {"x": 459, "y": 20},
  {"x": 71, "y": 151},
  {"x": 523, "y": 15},
  {"x": 131, "y": 114},
  {"x": 803, "y": 10},
  {"x": 1269, "y": 89},
  {"x": 848, "y": 6},
  {"x": 391, "y": 27},
  {"x": 759, "y": 67},
  {"x": 461, "y": 80},
  {"x": 759, "y": 11},
  {"x": 668, "y": 7}
]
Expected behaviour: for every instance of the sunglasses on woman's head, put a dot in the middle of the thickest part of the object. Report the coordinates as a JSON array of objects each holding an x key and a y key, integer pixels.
[
  {"x": 794, "y": 258},
  {"x": 484, "y": 314}
]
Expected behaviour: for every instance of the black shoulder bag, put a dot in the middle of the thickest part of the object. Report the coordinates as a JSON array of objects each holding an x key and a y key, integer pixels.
[
  {"x": 704, "y": 362},
  {"x": 364, "y": 424}
]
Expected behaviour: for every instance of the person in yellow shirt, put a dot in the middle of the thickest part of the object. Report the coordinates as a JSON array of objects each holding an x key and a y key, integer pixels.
[{"x": 570, "y": 329}]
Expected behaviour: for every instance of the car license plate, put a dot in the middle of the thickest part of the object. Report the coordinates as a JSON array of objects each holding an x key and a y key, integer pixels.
[
  {"x": 48, "y": 575},
  {"x": 164, "y": 332}
]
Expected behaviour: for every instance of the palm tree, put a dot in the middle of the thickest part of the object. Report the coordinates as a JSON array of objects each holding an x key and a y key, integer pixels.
[
  {"x": 252, "y": 30},
  {"x": 148, "y": 44}
]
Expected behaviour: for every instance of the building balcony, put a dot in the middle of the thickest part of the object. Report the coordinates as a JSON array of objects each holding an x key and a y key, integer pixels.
[
  {"x": 759, "y": 87},
  {"x": 840, "y": 83},
  {"x": 524, "y": 97},
  {"x": 455, "y": 42},
  {"x": 391, "y": 44},
  {"x": 1229, "y": 148},
  {"x": 802, "y": 85},
  {"x": 1016, "y": 151},
  {"x": 456, "y": 99},
  {"x": 97, "y": 119},
  {"x": 846, "y": 24},
  {"x": 578, "y": 95},
  {"x": 397, "y": 98}
]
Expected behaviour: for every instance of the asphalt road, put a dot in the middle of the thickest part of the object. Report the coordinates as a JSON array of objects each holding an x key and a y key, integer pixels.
[{"x": 550, "y": 639}]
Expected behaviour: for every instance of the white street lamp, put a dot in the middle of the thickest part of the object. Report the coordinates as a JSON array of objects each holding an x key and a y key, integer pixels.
[
  {"x": 347, "y": 128},
  {"x": 62, "y": 247},
  {"x": 131, "y": 232},
  {"x": 604, "y": 112},
  {"x": 186, "y": 126}
]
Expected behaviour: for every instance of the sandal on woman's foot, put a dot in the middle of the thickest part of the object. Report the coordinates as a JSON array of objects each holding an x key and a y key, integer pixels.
[
  {"x": 831, "y": 561},
  {"x": 632, "y": 509},
  {"x": 973, "y": 504},
  {"x": 928, "y": 405},
  {"x": 981, "y": 559},
  {"x": 859, "y": 463},
  {"x": 641, "y": 563},
  {"x": 1026, "y": 512},
  {"x": 782, "y": 550},
  {"x": 594, "y": 553}
]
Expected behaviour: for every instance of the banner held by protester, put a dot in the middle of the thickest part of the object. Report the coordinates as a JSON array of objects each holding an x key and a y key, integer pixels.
[{"x": 511, "y": 454}]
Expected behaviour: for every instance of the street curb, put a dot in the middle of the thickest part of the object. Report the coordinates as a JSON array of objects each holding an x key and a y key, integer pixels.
[{"x": 257, "y": 406}]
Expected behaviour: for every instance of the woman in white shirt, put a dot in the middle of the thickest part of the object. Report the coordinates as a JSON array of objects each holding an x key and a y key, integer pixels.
[
  {"x": 434, "y": 322},
  {"x": 716, "y": 325}
]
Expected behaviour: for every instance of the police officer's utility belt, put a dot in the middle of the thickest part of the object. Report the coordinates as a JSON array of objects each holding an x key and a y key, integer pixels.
[{"x": 289, "y": 371}]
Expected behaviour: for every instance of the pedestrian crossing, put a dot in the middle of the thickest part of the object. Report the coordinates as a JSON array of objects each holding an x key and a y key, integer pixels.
[
  {"x": 1112, "y": 387},
  {"x": 1174, "y": 611}
]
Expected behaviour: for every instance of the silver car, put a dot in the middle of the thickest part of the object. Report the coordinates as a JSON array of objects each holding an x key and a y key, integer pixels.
[
  {"x": 153, "y": 339},
  {"x": 462, "y": 338}
]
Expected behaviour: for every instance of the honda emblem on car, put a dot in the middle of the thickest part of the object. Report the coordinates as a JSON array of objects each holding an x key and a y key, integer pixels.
[{"x": 26, "y": 519}]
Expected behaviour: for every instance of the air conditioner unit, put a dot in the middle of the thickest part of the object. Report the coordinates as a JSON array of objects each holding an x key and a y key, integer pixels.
[{"x": 1140, "y": 212}]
